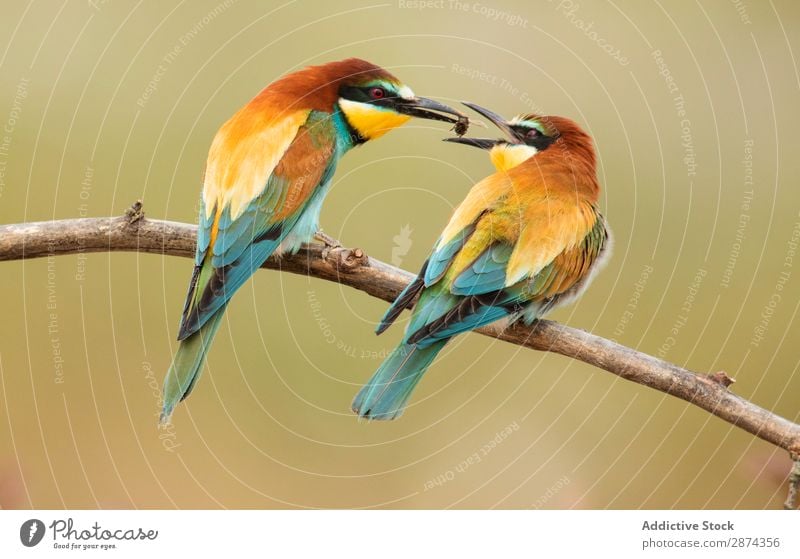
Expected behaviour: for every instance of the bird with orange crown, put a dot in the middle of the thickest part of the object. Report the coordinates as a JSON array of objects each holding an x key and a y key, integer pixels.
[
  {"x": 267, "y": 173},
  {"x": 525, "y": 239}
]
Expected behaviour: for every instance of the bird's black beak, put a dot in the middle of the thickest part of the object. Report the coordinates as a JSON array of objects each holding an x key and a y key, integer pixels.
[
  {"x": 422, "y": 107},
  {"x": 482, "y": 143},
  {"x": 485, "y": 143},
  {"x": 494, "y": 118}
]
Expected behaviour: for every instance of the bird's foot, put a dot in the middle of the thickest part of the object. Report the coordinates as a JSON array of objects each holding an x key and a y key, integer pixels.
[
  {"x": 344, "y": 259},
  {"x": 329, "y": 242}
]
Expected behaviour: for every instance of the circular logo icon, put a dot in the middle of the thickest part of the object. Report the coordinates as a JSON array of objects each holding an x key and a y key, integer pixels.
[{"x": 31, "y": 532}]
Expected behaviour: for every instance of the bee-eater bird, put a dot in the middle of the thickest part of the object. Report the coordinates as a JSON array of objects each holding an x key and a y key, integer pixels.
[
  {"x": 525, "y": 239},
  {"x": 268, "y": 170}
]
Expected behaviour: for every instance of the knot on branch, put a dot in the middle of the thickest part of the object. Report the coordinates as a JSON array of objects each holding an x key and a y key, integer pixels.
[
  {"x": 346, "y": 259},
  {"x": 134, "y": 213},
  {"x": 721, "y": 378}
]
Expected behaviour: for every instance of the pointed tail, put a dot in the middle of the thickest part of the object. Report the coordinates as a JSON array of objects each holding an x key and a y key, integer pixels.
[
  {"x": 387, "y": 392},
  {"x": 187, "y": 365}
]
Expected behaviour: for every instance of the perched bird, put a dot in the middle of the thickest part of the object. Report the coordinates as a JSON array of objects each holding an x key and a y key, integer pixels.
[
  {"x": 525, "y": 239},
  {"x": 268, "y": 170}
]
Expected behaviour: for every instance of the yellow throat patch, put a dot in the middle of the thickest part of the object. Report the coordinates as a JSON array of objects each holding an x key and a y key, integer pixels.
[
  {"x": 371, "y": 121},
  {"x": 507, "y": 156}
]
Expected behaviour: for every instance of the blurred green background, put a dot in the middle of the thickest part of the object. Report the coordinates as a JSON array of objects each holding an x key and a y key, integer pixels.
[{"x": 694, "y": 109}]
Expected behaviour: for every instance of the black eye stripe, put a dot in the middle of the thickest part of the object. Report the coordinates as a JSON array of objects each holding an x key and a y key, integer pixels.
[
  {"x": 526, "y": 131},
  {"x": 364, "y": 94},
  {"x": 533, "y": 136},
  {"x": 387, "y": 93}
]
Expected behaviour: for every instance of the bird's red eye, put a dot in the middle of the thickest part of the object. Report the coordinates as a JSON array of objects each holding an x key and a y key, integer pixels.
[
  {"x": 377, "y": 92},
  {"x": 532, "y": 133}
]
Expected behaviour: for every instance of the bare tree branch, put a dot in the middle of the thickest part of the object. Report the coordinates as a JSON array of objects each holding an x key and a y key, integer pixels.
[
  {"x": 794, "y": 484},
  {"x": 353, "y": 268}
]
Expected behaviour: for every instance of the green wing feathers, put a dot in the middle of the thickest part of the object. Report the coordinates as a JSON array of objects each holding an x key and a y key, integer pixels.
[{"x": 188, "y": 365}]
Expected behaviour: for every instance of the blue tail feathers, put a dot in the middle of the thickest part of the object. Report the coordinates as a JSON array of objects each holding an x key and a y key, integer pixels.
[{"x": 387, "y": 392}]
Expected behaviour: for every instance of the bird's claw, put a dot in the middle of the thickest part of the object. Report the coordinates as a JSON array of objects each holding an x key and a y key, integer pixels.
[{"x": 329, "y": 242}]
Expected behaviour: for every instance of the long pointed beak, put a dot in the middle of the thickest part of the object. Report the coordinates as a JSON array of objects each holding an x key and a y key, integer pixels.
[
  {"x": 482, "y": 143},
  {"x": 495, "y": 119},
  {"x": 422, "y": 107}
]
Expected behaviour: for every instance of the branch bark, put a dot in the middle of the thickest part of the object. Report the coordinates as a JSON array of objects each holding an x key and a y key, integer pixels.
[
  {"x": 794, "y": 485},
  {"x": 353, "y": 268}
]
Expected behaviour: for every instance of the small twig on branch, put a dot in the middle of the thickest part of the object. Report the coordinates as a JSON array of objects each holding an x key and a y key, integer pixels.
[
  {"x": 353, "y": 268},
  {"x": 794, "y": 484}
]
